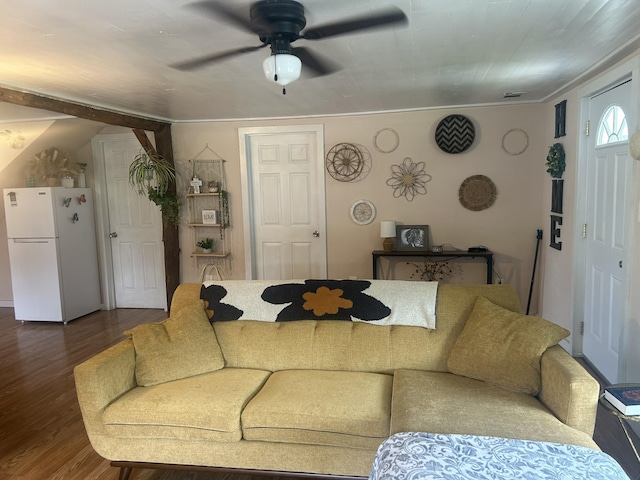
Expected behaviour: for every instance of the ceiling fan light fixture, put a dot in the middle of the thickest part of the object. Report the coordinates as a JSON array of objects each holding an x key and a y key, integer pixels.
[{"x": 282, "y": 68}]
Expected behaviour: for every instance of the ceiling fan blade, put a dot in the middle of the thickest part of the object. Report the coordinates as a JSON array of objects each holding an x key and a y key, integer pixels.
[
  {"x": 219, "y": 10},
  {"x": 216, "y": 57},
  {"x": 314, "y": 62},
  {"x": 382, "y": 18}
]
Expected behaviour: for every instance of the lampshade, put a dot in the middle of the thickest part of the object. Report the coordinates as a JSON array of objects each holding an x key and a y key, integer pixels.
[
  {"x": 388, "y": 228},
  {"x": 282, "y": 68}
]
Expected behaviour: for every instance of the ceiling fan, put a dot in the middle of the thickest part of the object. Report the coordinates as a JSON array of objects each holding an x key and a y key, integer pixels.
[{"x": 279, "y": 23}]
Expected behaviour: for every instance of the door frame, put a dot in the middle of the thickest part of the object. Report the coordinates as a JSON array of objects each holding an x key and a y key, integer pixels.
[
  {"x": 629, "y": 70},
  {"x": 105, "y": 252},
  {"x": 244, "y": 137}
]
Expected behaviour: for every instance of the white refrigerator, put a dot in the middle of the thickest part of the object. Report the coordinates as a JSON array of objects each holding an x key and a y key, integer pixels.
[{"x": 52, "y": 253}]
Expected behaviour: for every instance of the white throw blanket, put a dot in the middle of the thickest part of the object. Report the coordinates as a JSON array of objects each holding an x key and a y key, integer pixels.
[{"x": 379, "y": 302}]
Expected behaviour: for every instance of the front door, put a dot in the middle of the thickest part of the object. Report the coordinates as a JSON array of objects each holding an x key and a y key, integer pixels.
[
  {"x": 135, "y": 231},
  {"x": 609, "y": 183},
  {"x": 284, "y": 202}
]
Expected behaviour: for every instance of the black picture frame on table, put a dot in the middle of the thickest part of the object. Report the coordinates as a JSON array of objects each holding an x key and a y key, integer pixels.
[
  {"x": 412, "y": 238},
  {"x": 561, "y": 119}
]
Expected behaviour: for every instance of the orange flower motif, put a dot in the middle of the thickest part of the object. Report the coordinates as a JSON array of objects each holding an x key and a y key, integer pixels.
[
  {"x": 325, "y": 301},
  {"x": 208, "y": 311}
]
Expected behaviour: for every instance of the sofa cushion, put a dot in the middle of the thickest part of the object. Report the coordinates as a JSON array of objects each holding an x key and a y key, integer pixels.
[
  {"x": 446, "y": 403},
  {"x": 181, "y": 346},
  {"x": 349, "y": 409},
  {"x": 503, "y": 347},
  {"x": 203, "y": 407}
]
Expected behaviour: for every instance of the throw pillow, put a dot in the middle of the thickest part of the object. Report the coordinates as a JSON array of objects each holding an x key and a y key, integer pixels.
[
  {"x": 503, "y": 347},
  {"x": 181, "y": 346}
]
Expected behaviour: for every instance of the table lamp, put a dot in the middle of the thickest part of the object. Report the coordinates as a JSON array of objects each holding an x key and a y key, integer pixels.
[{"x": 388, "y": 232}]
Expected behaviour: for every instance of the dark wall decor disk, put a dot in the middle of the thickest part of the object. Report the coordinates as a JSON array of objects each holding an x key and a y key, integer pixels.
[{"x": 455, "y": 134}]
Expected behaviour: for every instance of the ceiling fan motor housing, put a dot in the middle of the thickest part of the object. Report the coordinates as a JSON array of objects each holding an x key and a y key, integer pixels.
[{"x": 278, "y": 22}]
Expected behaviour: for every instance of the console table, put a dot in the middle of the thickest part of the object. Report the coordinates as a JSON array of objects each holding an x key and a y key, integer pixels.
[{"x": 487, "y": 256}]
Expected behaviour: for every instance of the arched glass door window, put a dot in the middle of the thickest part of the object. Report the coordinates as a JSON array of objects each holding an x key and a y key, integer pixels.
[{"x": 612, "y": 127}]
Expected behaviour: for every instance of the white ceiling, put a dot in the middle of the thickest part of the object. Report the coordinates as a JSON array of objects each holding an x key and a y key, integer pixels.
[{"x": 115, "y": 54}]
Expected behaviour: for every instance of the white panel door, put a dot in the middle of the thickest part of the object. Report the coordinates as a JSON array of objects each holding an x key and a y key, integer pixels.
[
  {"x": 136, "y": 230},
  {"x": 285, "y": 176},
  {"x": 609, "y": 177}
]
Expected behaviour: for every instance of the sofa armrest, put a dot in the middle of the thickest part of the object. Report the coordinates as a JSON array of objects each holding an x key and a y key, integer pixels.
[
  {"x": 568, "y": 390},
  {"x": 101, "y": 380}
]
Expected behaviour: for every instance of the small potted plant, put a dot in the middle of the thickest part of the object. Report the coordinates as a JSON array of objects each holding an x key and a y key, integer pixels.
[{"x": 206, "y": 245}]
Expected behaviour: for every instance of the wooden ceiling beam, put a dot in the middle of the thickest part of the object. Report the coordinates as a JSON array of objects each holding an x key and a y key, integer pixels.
[{"x": 86, "y": 112}]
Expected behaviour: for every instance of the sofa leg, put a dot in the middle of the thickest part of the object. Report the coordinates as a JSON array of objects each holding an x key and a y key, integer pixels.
[{"x": 124, "y": 473}]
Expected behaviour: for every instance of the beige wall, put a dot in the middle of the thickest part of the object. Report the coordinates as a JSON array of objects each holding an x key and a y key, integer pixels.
[{"x": 508, "y": 227}]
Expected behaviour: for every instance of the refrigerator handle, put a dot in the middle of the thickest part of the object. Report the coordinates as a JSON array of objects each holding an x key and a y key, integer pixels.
[{"x": 31, "y": 240}]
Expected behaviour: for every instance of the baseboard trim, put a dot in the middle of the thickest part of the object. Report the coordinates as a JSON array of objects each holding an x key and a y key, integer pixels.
[{"x": 6, "y": 303}]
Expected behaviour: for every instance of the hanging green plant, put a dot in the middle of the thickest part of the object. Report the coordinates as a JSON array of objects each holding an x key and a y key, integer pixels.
[
  {"x": 224, "y": 212},
  {"x": 152, "y": 175},
  {"x": 169, "y": 205},
  {"x": 556, "y": 160},
  {"x": 151, "y": 171}
]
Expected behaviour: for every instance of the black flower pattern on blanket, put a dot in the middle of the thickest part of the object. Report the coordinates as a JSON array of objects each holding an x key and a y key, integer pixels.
[
  {"x": 326, "y": 300},
  {"x": 215, "y": 309}
]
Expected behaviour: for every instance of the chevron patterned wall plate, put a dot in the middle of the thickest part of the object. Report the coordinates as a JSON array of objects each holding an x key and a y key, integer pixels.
[{"x": 455, "y": 133}]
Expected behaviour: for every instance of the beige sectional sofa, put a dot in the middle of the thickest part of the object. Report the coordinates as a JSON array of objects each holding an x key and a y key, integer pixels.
[{"x": 318, "y": 397}]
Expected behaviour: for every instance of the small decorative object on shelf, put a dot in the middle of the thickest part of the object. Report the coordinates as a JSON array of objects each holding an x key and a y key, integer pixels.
[
  {"x": 67, "y": 181},
  {"x": 210, "y": 217},
  {"x": 82, "y": 176},
  {"x": 206, "y": 245},
  {"x": 49, "y": 166},
  {"x": 195, "y": 183}
]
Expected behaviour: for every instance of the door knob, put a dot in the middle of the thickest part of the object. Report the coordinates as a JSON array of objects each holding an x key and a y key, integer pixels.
[
  {"x": 620, "y": 263},
  {"x": 316, "y": 233},
  {"x": 113, "y": 235}
]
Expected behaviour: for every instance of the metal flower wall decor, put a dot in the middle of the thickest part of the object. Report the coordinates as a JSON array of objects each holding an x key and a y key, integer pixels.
[{"x": 408, "y": 179}]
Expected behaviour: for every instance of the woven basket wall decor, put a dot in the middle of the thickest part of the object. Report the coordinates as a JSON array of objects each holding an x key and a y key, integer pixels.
[{"x": 477, "y": 193}]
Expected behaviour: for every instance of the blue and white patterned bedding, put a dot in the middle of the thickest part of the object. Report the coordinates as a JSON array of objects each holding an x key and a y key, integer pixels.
[{"x": 428, "y": 456}]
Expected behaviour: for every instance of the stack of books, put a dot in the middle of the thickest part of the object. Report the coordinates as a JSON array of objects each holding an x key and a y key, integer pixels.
[{"x": 625, "y": 398}]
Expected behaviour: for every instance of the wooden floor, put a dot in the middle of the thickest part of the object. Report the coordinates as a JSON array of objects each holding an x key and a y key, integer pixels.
[{"x": 41, "y": 432}]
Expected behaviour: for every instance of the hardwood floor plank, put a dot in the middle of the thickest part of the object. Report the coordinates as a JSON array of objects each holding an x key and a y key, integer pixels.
[{"x": 42, "y": 436}]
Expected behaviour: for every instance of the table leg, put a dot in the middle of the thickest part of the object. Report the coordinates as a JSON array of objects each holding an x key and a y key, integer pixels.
[
  {"x": 626, "y": 432},
  {"x": 375, "y": 267}
]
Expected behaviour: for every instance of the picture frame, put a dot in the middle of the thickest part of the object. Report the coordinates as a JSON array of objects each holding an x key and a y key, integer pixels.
[
  {"x": 210, "y": 217},
  {"x": 412, "y": 238}
]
